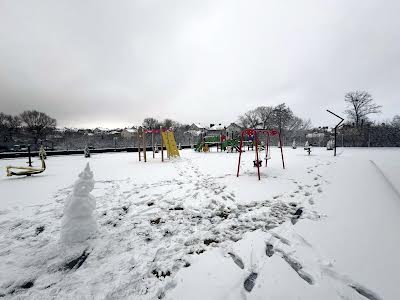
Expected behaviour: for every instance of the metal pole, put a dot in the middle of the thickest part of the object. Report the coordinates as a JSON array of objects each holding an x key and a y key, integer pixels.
[
  {"x": 29, "y": 156},
  {"x": 266, "y": 149},
  {"x": 240, "y": 153},
  {"x": 162, "y": 145},
  {"x": 334, "y": 153},
  {"x": 257, "y": 162},
  {"x": 280, "y": 142},
  {"x": 144, "y": 146},
  {"x": 341, "y": 120}
]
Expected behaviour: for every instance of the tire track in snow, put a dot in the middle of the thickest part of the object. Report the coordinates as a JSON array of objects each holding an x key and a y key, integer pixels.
[{"x": 386, "y": 179}]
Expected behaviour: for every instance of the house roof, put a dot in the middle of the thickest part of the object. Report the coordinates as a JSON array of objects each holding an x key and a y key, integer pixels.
[
  {"x": 199, "y": 125},
  {"x": 217, "y": 127}
]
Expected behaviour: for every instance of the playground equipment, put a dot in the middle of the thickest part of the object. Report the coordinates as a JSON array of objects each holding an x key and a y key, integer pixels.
[
  {"x": 26, "y": 171},
  {"x": 167, "y": 138},
  {"x": 307, "y": 147},
  {"x": 205, "y": 142},
  {"x": 86, "y": 152},
  {"x": 230, "y": 145},
  {"x": 330, "y": 145},
  {"x": 255, "y": 134},
  {"x": 42, "y": 152},
  {"x": 220, "y": 141}
]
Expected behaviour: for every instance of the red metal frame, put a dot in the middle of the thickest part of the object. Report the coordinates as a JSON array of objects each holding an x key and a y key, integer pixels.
[
  {"x": 156, "y": 130},
  {"x": 255, "y": 133}
]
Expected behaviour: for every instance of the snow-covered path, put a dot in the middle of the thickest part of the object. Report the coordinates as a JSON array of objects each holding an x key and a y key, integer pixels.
[{"x": 184, "y": 229}]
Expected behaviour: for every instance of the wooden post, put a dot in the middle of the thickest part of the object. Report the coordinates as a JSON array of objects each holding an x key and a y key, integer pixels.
[
  {"x": 138, "y": 141},
  {"x": 144, "y": 146},
  {"x": 166, "y": 135},
  {"x": 152, "y": 142},
  {"x": 162, "y": 145},
  {"x": 29, "y": 156}
]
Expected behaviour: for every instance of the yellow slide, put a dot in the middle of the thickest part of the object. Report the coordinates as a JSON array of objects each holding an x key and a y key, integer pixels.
[{"x": 170, "y": 143}]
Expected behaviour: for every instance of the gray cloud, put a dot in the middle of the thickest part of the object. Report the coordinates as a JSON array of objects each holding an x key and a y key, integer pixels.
[{"x": 112, "y": 63}]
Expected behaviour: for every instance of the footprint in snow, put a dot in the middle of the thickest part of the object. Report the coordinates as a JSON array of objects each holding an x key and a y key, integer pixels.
[
  {"x": 269, "y": 249},
  {"x": 237, "y": 260},
  {"x": 250, "y": 281}
]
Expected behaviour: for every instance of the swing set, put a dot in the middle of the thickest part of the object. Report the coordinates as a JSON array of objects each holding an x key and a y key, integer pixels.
[
  {"x": 167, "y": 138},
  {"x": 254, "y": 134}
]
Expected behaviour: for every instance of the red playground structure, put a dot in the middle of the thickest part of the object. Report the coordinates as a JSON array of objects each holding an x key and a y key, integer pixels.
[{"x": 255, "y": 133}]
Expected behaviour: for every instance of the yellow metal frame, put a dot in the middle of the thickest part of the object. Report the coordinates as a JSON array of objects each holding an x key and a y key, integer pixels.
[{"x": 27, "y": 171}]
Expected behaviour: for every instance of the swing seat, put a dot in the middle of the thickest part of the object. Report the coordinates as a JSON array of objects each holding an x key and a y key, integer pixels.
[{"x": 257, "y": 164}]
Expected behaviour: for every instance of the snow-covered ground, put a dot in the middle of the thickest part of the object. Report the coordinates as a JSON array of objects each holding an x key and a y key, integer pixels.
[{"x": 323, "y": 228}]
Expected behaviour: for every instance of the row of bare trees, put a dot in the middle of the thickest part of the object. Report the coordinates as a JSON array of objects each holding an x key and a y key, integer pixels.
[
  {"x": 279, "y": 117},
  {"x": 32, "y": 126},
  {"x": 152, "y": 123},
  {"x": 36, "y": 124}
]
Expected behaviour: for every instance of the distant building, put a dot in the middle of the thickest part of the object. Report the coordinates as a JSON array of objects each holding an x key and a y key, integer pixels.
[
  {"x": 197, "y": 127},
  {"x": 128, "y": 133},
  {"x": 216, "y": 129},
  {"x": 233, "y": 130}
]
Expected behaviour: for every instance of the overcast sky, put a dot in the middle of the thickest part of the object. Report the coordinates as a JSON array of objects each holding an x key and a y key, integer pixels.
[{"x": 113, "y": 63}]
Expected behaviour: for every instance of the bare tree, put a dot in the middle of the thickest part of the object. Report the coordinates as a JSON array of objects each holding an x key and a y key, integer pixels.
[
  {"x": 3, "y": 118},
  {"x": 396, "y": 121},
  {"x": 265, "y": 115},
  {"x": 12, "y": 124},
  {"x": 37, "y": 123},
  {"x": 9, "y": 125},
  {"x": 250, "y": 119},
  {"x": 151, "y": 123},
  {"x": 169, "y": 123},
  {"x": 282, "y": 116},
  {"x": 3, "y": 125},
  {"x": 360, "y": 104},
  {"x": 297, "y": 124}
]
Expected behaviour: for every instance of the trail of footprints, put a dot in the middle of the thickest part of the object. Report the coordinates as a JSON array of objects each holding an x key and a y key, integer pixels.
[
  {"x": 272, "y": 248},
  {"x": 155, "y": 216}
]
